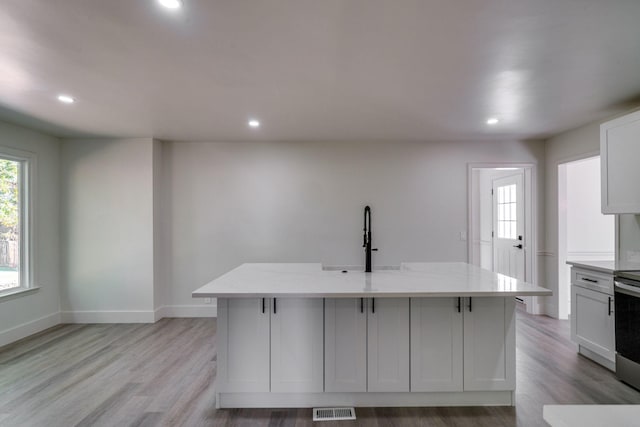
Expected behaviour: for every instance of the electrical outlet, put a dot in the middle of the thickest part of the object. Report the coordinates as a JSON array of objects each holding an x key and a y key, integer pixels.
[
  {"x": 207, "y": 300},
  {"x": 463, "y": 236}
]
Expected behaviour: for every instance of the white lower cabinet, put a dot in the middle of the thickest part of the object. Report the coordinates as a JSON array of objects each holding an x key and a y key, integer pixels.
[
  {"x": 243, "y": 345},
  {"x": 345, "y": 345},
  {"x": 436, "y": 344},
  {"x": 367, "y": 345},
  {"x": 462, "y": 346},
  {"x": 349, "y": 345},
  {"x": 270, "y": 345},
  {"x": 593, "y": 321},
  {"x": 388, "y": 344},
  {"x": 297, "y": 345},
  {"x": 489, "y": 344}
]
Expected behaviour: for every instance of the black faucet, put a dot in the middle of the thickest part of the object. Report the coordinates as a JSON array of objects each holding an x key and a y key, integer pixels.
[{"x": 367, "y": 239}]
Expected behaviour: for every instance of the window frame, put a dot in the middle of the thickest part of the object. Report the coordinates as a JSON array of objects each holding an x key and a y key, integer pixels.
[{"x": 26, "y": 212}]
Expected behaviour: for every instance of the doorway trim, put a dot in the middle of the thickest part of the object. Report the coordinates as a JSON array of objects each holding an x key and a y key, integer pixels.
[{"x": 531, "y": 225}]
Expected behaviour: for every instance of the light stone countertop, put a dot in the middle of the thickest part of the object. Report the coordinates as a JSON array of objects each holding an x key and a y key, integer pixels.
[
  {"x": 454, "y": 279},
  {"x": 609, "y": 267},
  {"x": 591, "y": 415}
]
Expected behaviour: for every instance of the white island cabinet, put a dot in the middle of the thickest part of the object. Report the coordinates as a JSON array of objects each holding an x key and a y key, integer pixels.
[
  {"x": 296, "y": 345},
  {"x": 436, "y": 344},
  {"x": 270, "y": 345},
  {"x": 427, "y": 335},
  {"x": 345, "y": 345},
  {"x": 243, "y": 345},
  {"x": 462, "y": 344},
  {"x": 489, "y": 344},
  {"x": 366, "y": 345},
  {"x": 388, "y": 346}
]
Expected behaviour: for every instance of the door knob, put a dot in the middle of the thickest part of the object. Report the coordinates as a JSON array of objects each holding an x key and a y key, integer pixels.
[{"x": 517, "y": 246}]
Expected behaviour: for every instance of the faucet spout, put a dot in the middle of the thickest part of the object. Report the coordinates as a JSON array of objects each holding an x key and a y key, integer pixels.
[{"x": 367, "y": 239}]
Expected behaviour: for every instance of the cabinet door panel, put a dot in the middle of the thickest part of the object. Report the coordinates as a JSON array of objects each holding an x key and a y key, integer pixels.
[
  {"x": 592, "y": 321},
  {"x": 619, "y": 151},
  {"x": 436, "y": 344},
  {"x": 242, "y": 345},
  {"x": 388, "y": 344},
  {"x": 489, "y": 344},
  {"x": 345, "y": 338},
  {"x": 297, "y": 345}
]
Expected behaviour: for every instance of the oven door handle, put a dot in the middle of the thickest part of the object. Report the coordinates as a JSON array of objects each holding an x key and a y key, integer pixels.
[{"x": 633, "y": 291}]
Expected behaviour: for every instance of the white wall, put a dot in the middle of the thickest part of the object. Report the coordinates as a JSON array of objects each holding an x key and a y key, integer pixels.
[
  {"x": 590, "y": 234},
  {"x": 29, "y": 313},
  {"x": 629, "y": 238},
  {"x": 107, "y": 212},
  {"x": 302, "y": 202}
]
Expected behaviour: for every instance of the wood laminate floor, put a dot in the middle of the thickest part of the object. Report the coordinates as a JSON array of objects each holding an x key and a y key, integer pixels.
[{"x": 163, "y": 374}]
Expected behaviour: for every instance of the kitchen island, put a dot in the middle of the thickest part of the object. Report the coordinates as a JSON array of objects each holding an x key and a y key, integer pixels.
[{"x": 426, "y": 334}]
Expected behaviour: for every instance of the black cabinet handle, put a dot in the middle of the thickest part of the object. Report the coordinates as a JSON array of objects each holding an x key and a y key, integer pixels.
[
  {"x": 517, "y": 246},
  {"x": 609, "y": 306},
  {"x": 361, "y": 305},
  {"x": 459, "y": 304},
  {"x": 470, "y": 304},
  {"x": 274, "y": 306},
  {"x": 586, "y": 279},
  {"x": 263, "y": 305},
  {"x": 373, "y": 305}
]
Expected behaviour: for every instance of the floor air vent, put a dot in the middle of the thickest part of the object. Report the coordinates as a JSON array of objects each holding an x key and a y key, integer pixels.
[{"x": 333, "y": 414}]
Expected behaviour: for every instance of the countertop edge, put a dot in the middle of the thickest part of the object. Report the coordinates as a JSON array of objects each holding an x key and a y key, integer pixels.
[
  {"x": 372, "y": 294},
  {"x": 616, "y": 267},
  {"x": 588, "y": 266}
]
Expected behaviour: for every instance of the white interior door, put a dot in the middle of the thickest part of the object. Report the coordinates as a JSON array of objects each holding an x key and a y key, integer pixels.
[{"x": 508, "y": 226}]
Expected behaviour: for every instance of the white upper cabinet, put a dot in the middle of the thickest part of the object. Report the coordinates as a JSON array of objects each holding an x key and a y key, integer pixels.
[{"x": 619, "y": 154}]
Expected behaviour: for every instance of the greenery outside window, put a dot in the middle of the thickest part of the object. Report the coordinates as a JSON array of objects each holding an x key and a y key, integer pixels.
[{"x": 15, "y": 221}]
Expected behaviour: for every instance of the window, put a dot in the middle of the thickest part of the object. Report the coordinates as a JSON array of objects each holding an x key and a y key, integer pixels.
[
  {"x": 507, "y": 228},
  {"x": 14, "y": 221}
]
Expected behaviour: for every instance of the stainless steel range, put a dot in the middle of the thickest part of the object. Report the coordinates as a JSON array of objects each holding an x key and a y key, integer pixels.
[{"x": 627, "y": 307}]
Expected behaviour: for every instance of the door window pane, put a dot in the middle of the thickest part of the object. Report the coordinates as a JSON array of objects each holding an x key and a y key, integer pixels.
[{"x": 507, "y": 226}]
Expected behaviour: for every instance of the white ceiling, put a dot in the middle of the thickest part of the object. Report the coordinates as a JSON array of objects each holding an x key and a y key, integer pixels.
[{"x": 318, "y": 69}]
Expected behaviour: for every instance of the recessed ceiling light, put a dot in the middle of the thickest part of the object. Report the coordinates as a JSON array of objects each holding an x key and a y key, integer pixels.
[
  {"x": 492, "y": 121},
  {"x": 171, "y": 4},
  {"x": 66, "y": 99},
  {"x": 254, "y": 123}
]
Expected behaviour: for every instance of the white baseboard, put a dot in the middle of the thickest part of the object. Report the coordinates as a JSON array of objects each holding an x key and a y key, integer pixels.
[
  {"x": 29, "y": 328},
  {"x": 107, "y": 317},
  {"x": 203, "y": 310},
  {"x": 207, "y": 310}
]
